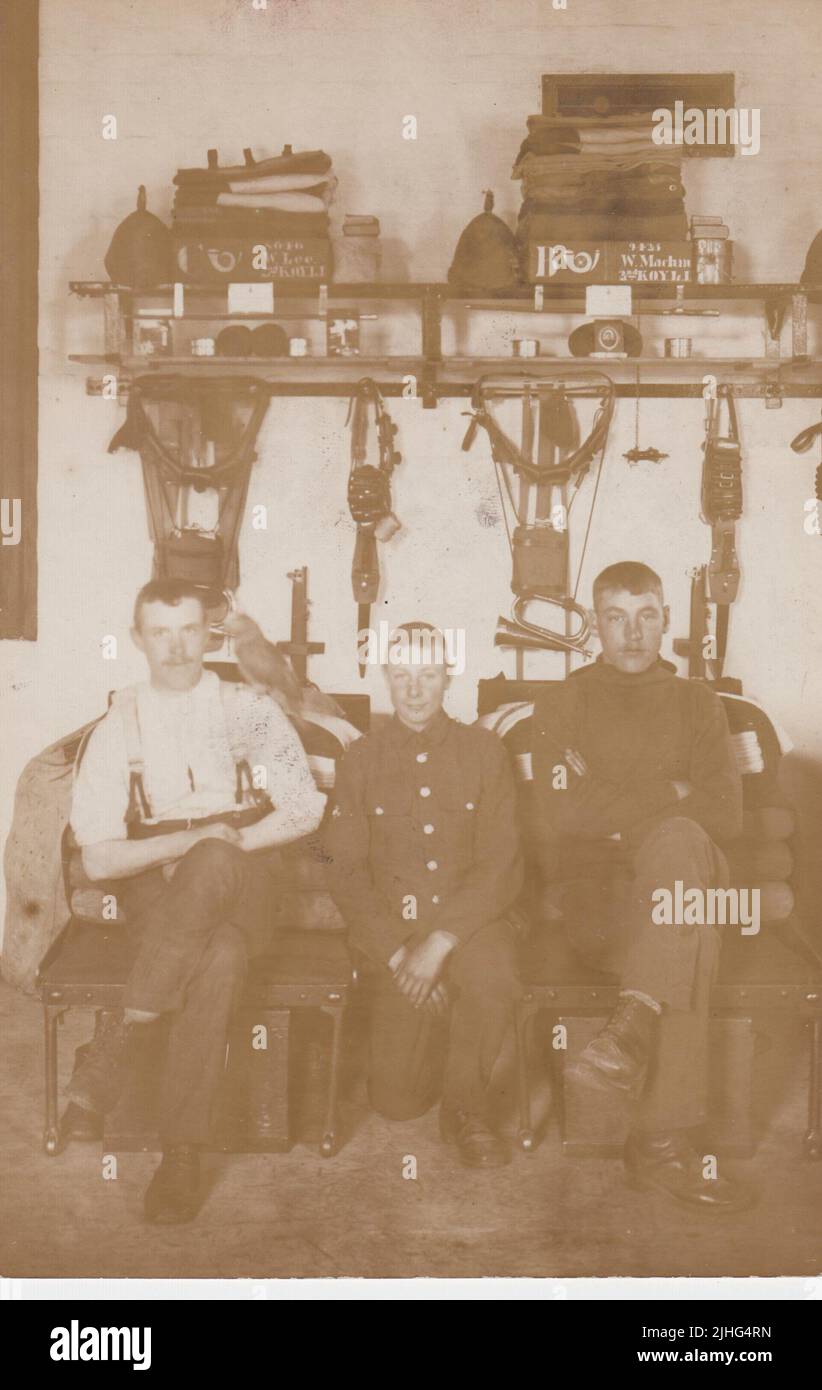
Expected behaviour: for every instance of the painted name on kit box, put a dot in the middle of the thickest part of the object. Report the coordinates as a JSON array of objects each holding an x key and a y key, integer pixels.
[
  {"x": 615, "y": 262},
  {"x": 252, "y": 259}
]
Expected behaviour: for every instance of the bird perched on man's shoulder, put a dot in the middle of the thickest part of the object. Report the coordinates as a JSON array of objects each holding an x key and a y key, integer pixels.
[
  {"x": 266, "y": 669},
  {"x": 261, "y": 665}
]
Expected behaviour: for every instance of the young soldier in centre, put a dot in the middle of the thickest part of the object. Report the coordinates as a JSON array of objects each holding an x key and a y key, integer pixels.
[{"x": 425, "y": 869}]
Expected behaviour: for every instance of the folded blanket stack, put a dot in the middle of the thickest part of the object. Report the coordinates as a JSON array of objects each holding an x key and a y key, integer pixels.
[
  {"x": 285, "y": 196},
  {"x": 596, "y": 179}
]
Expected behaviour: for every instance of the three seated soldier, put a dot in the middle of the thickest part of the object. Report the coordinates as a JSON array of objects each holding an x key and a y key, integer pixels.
[{"x": 424, "y": 864}]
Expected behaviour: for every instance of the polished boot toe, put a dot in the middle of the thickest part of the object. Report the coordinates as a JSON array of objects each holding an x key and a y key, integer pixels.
[
  {"x": 172, "y": 1195},
  {"x": 668, "y": 1163},
  {"x": 477, "y": 1144},
  {"x": 617, "y": 1058}
]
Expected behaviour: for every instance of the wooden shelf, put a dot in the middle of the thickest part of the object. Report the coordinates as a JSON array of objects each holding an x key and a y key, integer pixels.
[
  {"x": 440, "y": 376},
  {"x": 217, "y": 316},
  {"x": 408, "y": 289},
  {"x": 403, "y": 289},
  {"x": 615, "y": 364},
  {"x": 251, "y": 365},
  {"x": 544, "y": 363}
]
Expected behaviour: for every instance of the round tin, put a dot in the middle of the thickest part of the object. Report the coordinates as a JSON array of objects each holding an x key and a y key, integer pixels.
[
  {"x": 298, "y": 347},
  {"x": 525, "y": 347},
  {"x": 678, "y": 347},
  {"x": 202, "y": 347}
]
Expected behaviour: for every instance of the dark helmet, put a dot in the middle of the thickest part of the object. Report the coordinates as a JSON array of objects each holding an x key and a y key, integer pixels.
[
  {"x": 140, "y": 254},
  {"x": 486, "y": 255}
]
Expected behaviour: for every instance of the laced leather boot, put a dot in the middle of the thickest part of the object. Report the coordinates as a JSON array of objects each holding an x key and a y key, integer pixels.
[
  {"x": 477, "y": 1144},
  {"x": 172, "y": 1196},
  {"x": 98, "y": 1079},
  {"x": 667, "y": 1162},
  {"x": 618, "y": 1057}
]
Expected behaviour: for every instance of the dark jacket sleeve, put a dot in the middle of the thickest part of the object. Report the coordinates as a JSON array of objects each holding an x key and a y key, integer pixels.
[
  {"x": 716, "y": 800},
  {"x": 373, "y": 927},
  {"x": 494, "y": 880},
  {"x": 589, "y": 807}
]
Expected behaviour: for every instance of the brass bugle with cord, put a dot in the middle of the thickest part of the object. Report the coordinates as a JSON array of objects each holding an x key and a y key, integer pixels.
[{"x": 522, "y": 635}]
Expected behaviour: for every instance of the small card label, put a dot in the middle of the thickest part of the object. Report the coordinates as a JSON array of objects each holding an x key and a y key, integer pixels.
[
  {"x": 255, "y": 297},
  {"x": 608, "y": 301}
]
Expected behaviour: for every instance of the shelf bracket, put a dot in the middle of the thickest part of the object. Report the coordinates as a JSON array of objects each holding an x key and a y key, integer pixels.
[
  {"x": 774, "y": 319},
  {"x": 431, "y": 344},
  {"x": 429, "y": 386},
  {"x": 799, "y": 325},
  {"x": 115, "y": 330}
]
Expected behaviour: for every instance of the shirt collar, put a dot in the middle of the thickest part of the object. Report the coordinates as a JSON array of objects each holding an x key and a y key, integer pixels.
[
  {"x": 436, "y": 732},
  {"x": 207, "y": 685}
]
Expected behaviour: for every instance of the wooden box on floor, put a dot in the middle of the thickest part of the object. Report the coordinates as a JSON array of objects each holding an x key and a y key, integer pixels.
[
  {"x": 305, "y": 972},
  {"x": 597, "y": 1123}
]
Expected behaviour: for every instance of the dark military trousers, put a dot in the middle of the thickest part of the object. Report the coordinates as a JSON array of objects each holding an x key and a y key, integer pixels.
[
  {"x": 608, "y": 923},
  {"x": 190, "y": 939},
  {"x": 414, "y": 1057}
]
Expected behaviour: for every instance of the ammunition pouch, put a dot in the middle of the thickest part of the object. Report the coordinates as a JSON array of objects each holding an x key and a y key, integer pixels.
[
  {"x": 194, "y": 556},
  {"x": 540, "y": 560}
]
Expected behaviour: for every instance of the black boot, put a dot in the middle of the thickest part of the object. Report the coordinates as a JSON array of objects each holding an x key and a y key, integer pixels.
[
  {"x": 80, "y": 1124},
  {"x": 97, "y": 1081},
  {"x": 668, "y": 1163},
  {"x": 172, "y": 1196},
  {"x": 617, "y": 1058},
  {"x": 477, "y": 1144}
]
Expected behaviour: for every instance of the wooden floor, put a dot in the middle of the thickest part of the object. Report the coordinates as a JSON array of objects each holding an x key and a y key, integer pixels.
[{"x": 296, "y": 1214}]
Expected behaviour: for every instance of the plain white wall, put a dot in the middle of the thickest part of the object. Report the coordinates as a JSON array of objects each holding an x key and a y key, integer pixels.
[{"x": 340, "y": 75}]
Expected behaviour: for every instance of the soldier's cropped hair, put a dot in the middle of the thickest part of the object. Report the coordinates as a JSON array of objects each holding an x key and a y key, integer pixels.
[{"x": 630, "y": 575}]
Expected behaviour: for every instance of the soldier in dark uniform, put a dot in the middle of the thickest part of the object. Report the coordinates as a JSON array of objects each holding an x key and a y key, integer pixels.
[
  {"x": 653, "y": 794},
  {"x": 426, "y": 869}
]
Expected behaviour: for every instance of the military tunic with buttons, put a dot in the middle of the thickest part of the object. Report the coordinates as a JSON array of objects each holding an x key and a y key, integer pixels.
[{"x": 423, "y": 834}]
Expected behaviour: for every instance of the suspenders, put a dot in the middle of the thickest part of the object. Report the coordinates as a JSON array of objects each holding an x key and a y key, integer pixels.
[{"x": 139, "y": 807}]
